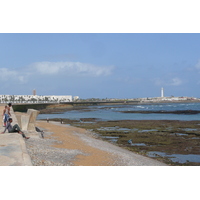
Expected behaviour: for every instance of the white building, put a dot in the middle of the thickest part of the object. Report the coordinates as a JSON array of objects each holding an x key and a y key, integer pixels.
[
  {"x": 76, "y": 98},
  {"x": 35, "y": 98}
]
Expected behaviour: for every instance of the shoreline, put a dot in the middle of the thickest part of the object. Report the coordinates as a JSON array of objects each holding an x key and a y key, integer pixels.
[
  {"x": 167, "y": 141},
  {"x": 61, "y": 107},
  {"x": 156, "y": 139},
  {"x": 72, "y": 146}
]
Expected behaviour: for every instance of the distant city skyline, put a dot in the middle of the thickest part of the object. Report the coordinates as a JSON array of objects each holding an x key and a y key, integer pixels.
[
  {"x": 115, "y": 65},
  {"x": 34, "y": 93}
]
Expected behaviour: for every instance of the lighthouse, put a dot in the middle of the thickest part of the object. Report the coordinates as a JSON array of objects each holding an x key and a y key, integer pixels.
[{"x": 162, "y": 92}]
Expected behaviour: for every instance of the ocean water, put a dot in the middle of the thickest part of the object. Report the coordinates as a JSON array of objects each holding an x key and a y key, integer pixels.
[
  {"x": 180, "y": 158},
  {"x": 112, "y": 112}
]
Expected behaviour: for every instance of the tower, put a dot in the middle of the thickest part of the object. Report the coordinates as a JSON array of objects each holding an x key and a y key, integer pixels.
[
  {"x": 34, "y": 92},
  {"x": 162, "y": 92}
]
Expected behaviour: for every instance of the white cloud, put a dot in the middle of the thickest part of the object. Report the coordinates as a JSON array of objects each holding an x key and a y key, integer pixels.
[
  {"x": 176, "y": 82},
  {"x": 10, "y": 75},
  {"x": 71, "y": 68},
  {"x": 47, "y": 67},
  {"x": 43, "y": 71}
]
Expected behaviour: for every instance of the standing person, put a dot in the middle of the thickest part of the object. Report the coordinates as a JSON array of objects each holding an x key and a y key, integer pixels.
[
  {"x": 6, "y": 115},
  {"x": 14, "y": 129},
  {"x": 9, "y": 105}
]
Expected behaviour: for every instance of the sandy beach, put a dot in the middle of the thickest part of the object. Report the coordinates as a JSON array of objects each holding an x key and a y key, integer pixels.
[
  {"x": 68, "y": 139},
  {"x": 71, "y": 146}
]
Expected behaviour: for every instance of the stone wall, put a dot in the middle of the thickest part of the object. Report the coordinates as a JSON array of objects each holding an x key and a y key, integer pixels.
[{"x": 27, "y": 120}]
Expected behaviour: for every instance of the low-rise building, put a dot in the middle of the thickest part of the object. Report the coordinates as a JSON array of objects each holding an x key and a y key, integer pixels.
[{"x": 35, "y": 98}]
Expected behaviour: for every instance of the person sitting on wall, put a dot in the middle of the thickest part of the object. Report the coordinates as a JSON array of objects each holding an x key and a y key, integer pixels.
[{"x": 14, "y": 129}]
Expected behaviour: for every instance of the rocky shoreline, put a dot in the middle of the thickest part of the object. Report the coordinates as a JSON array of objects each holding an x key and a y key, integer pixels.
[
  {"x": 65, "y": 145},
  {"x": 163, "y": 140},
  {"x": 170, "y": 141}
]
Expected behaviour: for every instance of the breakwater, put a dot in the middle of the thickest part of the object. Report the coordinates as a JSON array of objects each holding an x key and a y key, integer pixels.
[
  {"x": 40, "y": 106},
  {"x": 13, "y": 147}
]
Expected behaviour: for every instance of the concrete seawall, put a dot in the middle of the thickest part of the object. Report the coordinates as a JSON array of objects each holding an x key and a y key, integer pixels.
[{"x": 12, "y": 145}]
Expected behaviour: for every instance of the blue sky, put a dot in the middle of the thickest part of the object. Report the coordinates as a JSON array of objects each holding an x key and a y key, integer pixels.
[{"x": 104, "y": 65}]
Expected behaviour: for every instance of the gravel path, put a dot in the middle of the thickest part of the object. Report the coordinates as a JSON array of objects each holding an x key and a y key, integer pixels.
[{"x": 43, "y": 153}]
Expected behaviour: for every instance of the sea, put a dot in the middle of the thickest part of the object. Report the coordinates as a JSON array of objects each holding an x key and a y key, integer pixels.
[{"x": 114, "y": 112}]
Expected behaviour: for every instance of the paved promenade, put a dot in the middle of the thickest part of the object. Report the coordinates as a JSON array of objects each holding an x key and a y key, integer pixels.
[{"x": 12, "y": 146}]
